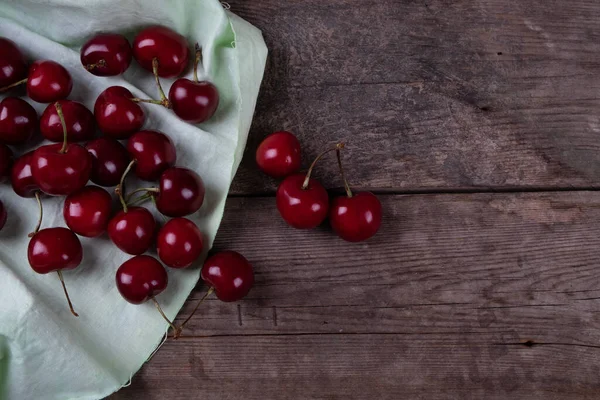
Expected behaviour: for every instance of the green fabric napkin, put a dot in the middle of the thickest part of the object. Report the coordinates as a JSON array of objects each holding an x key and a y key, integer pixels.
[{"x": 45, "y": 352}]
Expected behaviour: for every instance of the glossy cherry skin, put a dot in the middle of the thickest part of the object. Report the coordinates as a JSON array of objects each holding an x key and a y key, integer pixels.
[
  {"x": 278, "y": 155},
  {"x": 3, "y": 215},
  {"x": 106, "y": 54},
  {"x": 153, "y": 152},
  {"x": 355, "y": 218},
  {"x": 193, "y": 102},
  {"x": 60, "y": 174},
  {"x": 230, "y": 274},
  {"x": 133, "y": 231},
  {"x": 116, "y": 115},
  {"x": 21, "y": 177},
  {"x": 13, "y": 66},
  {"x": 141, "y": 278},
  {"x": 48, "y": 82},
  {"x": 79, "y": 121},
  {"x": 88, "y": 211},
  {"x": 169, "y": 47},
  {"x": 18, "y": 121},
  {"x": 54, "y": 249},
  {"x": 302, "y": 208},
  {"x": 181, "y": 192},
  {"x": 179, "y": 243},
  {"x": 6, "y": 161},
  {"x": 109, "y": 161}
]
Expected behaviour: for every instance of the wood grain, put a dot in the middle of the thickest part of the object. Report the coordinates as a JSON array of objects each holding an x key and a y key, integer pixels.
[
  {"x": 433, "y": 94},
  {"x": 463, "y": 296}
]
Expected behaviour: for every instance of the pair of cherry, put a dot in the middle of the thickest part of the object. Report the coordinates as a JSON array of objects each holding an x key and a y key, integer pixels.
[
  {"x": 303, "y": 202},
  {"x": 162, "y": 51}
]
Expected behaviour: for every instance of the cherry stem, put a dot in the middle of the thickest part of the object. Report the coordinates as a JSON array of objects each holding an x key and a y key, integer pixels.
[
  {"x": 61, "y": 116},
  {"x": 163, "y": 314},
  {"x": 148, "y": 191},
  {"x": 151, "y": 101},
  {"x": 312, "y": 166},
  {"x": 39, "y": 223},
  {"x": 99, "y": 64},
  {"x": 178, "y": 331},
  {"x": 140, "y": 199},
  {"x": 165, "y": 101},
  {"x": 197, "y": 61},
  {"x": 12, "y": 85},
  {"x": 59, "y": 272},
  {"x": 120, "y": 190},
  {"x": 346, "y": 186}
]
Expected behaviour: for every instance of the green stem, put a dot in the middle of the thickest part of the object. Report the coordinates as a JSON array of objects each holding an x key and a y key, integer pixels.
[
  {"x": 165, "y": 101},
  {"x": 120, "y": 190},
  {"x": 346, "y": 186},
  {"x": 39, "y": 223},
  {"x": 151, "y": 101},
  {"x": 61, "y": 116},
  {"x": 12, "y": 85},
  {"x": 180, "y": 328},
  {"x": 197, "y": 61},
  {"x": 163, "y": 314},
  {"x": 312, "y": 166},
  {"x": 62, "y": 281}
]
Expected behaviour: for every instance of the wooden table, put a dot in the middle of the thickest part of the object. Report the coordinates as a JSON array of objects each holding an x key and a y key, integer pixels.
[{"x": 478, "y": 124}]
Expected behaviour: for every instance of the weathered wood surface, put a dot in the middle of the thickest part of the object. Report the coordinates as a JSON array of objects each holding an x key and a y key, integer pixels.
[
  {"x": 433, "y": 94},
  {"x": 462, "y": 296}
]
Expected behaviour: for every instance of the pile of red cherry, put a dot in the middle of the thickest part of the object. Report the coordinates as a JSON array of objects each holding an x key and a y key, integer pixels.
[
  {"x": 64, "y": 168},
  {"x": 303, "y": 202}
]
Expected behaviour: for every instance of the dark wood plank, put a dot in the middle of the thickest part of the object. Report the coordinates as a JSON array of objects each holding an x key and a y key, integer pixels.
[
  {"x": 459, "y": 296},
  {"x": 433, "y": 94}
]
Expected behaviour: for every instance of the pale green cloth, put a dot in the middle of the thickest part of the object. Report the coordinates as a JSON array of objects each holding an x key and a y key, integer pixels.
[{"x": 45, "y": 352}]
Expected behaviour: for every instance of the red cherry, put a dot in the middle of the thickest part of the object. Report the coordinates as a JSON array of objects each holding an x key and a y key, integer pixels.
[
  {"x": 3, "y": 215},
  {"x": 153, "y": 153},
  {"x": 141, "y": 278},
  {"x": 230, "y": 274},
  {"x": 21, "y": 178},
  {"x": 55, "y": 249},
  {"x": 181, "y": 192},
  {"x": 116, "y": 114},
  {"x": 48, "y": 82},
  {"x": 106, "y": 54},
  {"x": 179, "y": 243},
  {"x": 133, "y": 230},
  {"x": 109, "y": 161},
  {"x": 194, "y": 102},
  {"x": 167, "y": 46},
  {"x": 88, "y": 211},
  {"x": 78, "y": 119},
  {"x": 18, "y": 121},
  {"x": 59, "y": 172},
  {"x": 6, "y": 160},
  {"x": 13, "y": 67},
  {"x": 356, "y": 218},
  {"x": 279, "y": 154},
  {"x": 303, "y": 207}
]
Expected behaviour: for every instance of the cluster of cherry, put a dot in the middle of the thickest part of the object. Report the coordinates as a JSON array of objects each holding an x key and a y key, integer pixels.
[
  {"x": 64, "y": 168},
  {"x": 304, "y": 203}
]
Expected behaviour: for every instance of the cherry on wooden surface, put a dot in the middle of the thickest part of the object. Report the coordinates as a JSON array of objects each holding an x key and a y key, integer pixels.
[
  {"x": 278, "y": 155},
  {"x": 230, "y": 274}
]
